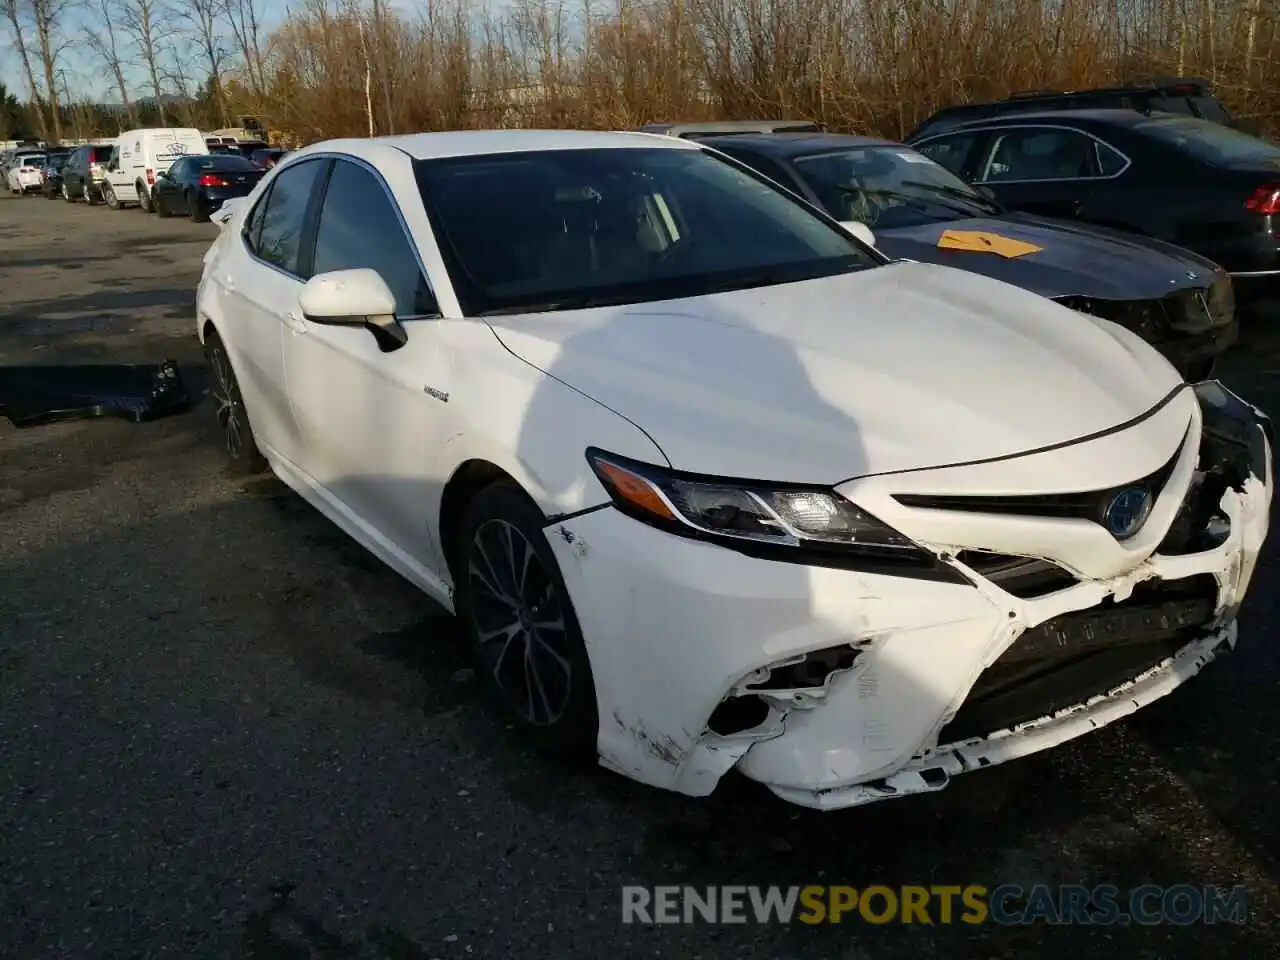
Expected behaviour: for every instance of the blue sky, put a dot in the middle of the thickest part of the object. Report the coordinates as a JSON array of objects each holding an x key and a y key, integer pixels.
[{"x": 85, "y": 74}]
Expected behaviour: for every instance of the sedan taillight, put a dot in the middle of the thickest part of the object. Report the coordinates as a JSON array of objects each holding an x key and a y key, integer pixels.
[{"x": 209, "y": 180}]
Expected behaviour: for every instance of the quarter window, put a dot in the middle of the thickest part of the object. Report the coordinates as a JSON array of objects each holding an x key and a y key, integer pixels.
[
  {"x": 1036, "y": 153},
  {"x": 359, "y": 227},
  {"x": 279, "y": 236}
]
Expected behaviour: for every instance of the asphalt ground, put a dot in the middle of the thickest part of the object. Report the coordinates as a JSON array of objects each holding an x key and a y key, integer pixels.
[{"x": 227, "y": 732}]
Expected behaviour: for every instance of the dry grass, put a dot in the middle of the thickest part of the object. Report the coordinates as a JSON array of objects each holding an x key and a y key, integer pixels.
[{"x": 876, "y": 66}]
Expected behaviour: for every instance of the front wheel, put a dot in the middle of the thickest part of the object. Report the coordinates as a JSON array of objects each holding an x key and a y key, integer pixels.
[
  {"x": 524, "y": 635},
  {"x": 109, "y": 195},
  {"x": 243, "y": 456}
]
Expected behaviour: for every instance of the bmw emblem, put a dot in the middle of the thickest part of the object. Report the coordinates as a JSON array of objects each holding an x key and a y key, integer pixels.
[{"x": 1127, "y": 512}]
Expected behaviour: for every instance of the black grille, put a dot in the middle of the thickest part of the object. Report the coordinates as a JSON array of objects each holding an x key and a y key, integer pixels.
[
  {"x": 1086, "y": 505},
  {"x": 1023, "y": 577},
  {"x": 1076, "y": 656}
]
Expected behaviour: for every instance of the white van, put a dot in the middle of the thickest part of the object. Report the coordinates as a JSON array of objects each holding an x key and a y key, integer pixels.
[{"x": 141, "y": 156}]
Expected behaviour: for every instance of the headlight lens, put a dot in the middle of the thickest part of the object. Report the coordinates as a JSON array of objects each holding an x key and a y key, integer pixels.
[{"x": 804, "y": 524}]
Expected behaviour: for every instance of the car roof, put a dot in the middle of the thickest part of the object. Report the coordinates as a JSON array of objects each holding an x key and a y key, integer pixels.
[
  {"x": 798, "y": 144},
  {"x": 1116, "y": 117},
  {"x": 461, "y": 143}
]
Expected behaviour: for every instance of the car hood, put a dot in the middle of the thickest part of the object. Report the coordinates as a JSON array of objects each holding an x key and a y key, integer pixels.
[
  {"x": 1074, "y": 259},
  {"x": 892, "y": 368}
]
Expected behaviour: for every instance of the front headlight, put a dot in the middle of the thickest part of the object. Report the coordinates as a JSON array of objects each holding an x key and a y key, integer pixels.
[{"x": 790, "y": 522}]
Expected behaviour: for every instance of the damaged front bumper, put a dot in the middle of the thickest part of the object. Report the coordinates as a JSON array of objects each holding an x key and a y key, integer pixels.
[{"x": 837, "y": 687}]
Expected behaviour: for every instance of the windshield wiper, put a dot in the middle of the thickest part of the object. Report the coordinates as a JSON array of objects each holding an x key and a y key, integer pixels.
[
  {"x": 922, "y": 202},
  {"x": 968, "y": 196},
  {"x": 550, "y": 306}
]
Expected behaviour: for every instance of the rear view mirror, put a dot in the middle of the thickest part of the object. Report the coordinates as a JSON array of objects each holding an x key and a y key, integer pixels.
[
  {"x": 354, "y": 298},
  {"x": 860, "y": 231}
]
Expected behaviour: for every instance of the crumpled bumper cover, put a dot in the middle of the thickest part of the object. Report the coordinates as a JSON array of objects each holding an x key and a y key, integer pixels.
[{"x": 852, "y": 679}]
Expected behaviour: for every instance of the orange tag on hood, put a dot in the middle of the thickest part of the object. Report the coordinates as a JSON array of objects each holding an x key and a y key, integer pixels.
[{"x": 975, "y": 241}]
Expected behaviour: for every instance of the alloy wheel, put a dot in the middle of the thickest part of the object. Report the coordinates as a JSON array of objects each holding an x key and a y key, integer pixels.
[
  {"x": 227, "y": 406},
  {"x": 519, "y": 623}
]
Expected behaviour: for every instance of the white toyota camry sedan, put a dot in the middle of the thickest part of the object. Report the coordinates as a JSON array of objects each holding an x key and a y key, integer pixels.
[{"x": 715, "y": 486}]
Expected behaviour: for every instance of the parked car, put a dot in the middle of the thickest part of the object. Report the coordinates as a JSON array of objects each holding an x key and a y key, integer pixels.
[
  {"x": 712, "y": 484},
  {"x": 142, "y": 156},
  {"x": 24, "y": 172},
  {"x": 1189, "y": 96},
  {"x": 267, "y": 157},
  {"x": 197, "y": 186},
  {"x": 1178, "y": 301},
  {"x": 1190, "y": 182},
  {"x": 51, "y": 175},
  {"x": 84, "y": 173}
]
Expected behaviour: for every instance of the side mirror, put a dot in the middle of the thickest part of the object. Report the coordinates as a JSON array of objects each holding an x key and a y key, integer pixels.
[
  {"x": 354, "y": 298},
  {"x": 860, "y": 231}
]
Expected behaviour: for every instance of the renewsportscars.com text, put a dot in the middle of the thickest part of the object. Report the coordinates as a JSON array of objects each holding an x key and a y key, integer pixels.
[{"x": 1006, "y": 905}]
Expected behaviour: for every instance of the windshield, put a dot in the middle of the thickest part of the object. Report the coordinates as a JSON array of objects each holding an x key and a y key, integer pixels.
[
  {"x": 32, "y": 159},
  {"x": 889, "y": 186},
  {"x": 1208, "y": 141},
  {"x": 566, "y": 229}
]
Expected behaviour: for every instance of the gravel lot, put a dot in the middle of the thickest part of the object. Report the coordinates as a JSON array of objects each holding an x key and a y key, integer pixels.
[{"x": 226, "y": 732}]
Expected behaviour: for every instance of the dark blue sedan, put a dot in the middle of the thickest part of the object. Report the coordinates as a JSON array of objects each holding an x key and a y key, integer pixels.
[
  {"x": 197, "y": 186},
  {"x": 916, "y": 209}
]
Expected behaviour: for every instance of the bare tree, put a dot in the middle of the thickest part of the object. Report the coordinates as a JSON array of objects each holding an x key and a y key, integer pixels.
[
  {"x": 245, "y": 18},
  {"x": 204, "y": 21},
  {"x": 142, "y": 21},
  {"x": 12, "y": 15},
  {"x": 100, "y": 35},
  {"x": 47, "y": 19}
]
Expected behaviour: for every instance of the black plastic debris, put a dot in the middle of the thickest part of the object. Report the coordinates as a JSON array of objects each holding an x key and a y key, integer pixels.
[{"x": 30, "y": 396}]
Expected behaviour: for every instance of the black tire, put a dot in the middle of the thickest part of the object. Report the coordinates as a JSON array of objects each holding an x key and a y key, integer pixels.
[
  {"x": 144, "y": 200},
  {"x": 195, "y": 211},
  {"x": 557, "y": 713},
  {"x": 50, "y": 194},
  {"x": 109, "y": 197},
  {"x": 239, "y": 443},
  {"x": 161, "y": 208},
  {"x": 88, "y": 195},
  {"x": 66, "y": 193}
]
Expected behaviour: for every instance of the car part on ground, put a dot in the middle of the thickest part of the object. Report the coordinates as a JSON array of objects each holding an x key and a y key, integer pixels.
[
  {"x": 1178, "y": 301},
  {"x": 34, "y": 395},
  {"x": 814, "y": 516},
  {"x": 1176, "y": 179}
]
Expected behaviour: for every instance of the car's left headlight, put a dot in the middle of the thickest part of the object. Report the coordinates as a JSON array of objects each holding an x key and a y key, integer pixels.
[{"x": 790, "y": 522}]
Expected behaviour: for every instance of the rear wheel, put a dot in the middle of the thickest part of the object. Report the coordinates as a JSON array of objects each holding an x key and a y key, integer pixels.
[
  {"x": 89, "y": 198},
  {"x": 66, "y": 193},
  {"x": 243, "y": 456},
  {"x": 195, "y": 210},
  {"x": 109, "y": 195},
  {"x": 524, "y": 634},
  {"x": 144, "y": 200}
]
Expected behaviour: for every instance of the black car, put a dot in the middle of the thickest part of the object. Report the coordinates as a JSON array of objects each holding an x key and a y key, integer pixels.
[
  {"x": 55, "y": 160},
  {"x": 197, "y": 186},
  {"x": 1190, "y": 96},
  {"x": 83, "y": 173},
  {"x": 267, "y": 157},
  {"x": 920, "y": 211},
  {"x": 1190, "y": 182}
]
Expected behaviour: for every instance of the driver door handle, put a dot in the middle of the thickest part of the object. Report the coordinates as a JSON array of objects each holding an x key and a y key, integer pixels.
[{"x": 294, "y": 322}]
